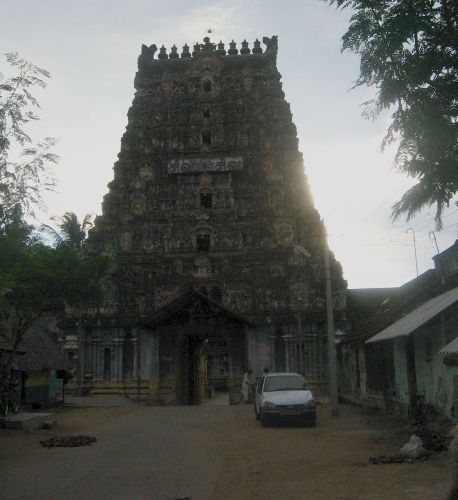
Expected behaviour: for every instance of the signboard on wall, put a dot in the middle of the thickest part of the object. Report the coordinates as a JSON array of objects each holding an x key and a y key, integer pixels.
[{"x": 198, "y": 165}]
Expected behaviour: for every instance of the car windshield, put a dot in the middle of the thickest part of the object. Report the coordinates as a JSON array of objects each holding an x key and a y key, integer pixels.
[{"x": 285, "y": 383}]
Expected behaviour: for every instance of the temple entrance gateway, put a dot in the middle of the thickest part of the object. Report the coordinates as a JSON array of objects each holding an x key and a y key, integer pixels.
[
  {"x": 190, "y": 330},
  {"x": 191, "y": 379},
  {"x": 193, "y": 371}
]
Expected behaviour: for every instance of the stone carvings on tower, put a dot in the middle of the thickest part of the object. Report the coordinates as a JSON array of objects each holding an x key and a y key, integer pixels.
[{"x": 209, "y": 192}]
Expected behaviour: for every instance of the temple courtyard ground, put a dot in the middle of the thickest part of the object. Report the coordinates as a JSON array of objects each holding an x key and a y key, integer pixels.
[{"x": 213, "y": 452}]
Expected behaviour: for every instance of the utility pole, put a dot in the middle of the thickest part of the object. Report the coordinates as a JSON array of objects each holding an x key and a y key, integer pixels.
[
  {"x": 414, "y": 246},
  {"x": 80, "y": 379},
  {"x": 332, "y": 359},
  {"x": 432, "y": 236},
  {"x": 301, "y": 345},
  {"x": 139, "y": 375}
]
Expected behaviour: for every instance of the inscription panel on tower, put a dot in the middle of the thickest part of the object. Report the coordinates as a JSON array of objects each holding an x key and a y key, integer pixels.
[{"x": 193, "y": 165}]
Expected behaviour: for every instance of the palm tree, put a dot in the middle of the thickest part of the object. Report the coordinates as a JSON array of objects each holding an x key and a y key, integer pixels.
[
  {"x": 70, "y": 232},
  {"x": 70, "y": 237}
]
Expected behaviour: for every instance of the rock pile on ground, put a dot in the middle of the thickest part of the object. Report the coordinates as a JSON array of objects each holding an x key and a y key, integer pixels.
[
  {"x": 435, "y": 435},
  {"x": 68, "y": 441},
  {"x": 390, "y": 459}
]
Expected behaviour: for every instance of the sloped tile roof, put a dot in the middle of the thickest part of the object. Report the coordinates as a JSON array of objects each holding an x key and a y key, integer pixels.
[
  {"x": 411, "y": 296},
  {"x": 418, "y": 317}
]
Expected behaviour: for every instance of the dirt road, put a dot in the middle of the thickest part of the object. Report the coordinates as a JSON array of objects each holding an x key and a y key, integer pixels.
[{"x": 214, "y": 453}]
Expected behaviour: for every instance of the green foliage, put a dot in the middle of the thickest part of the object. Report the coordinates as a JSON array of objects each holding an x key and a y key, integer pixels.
[
  {"x": 38, "y": 280},
  {"x": 409, "y": 53},
  {"x": 70, "y": 232},
  {"x": 80, "y": 268},
  {"x": 28, "y": 285},
  {"x": 14, "y": 237},
  {"x": 22, "y": 182}
]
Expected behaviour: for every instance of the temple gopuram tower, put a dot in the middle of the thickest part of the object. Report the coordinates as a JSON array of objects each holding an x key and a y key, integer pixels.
[{"x": 218, "y": 247}]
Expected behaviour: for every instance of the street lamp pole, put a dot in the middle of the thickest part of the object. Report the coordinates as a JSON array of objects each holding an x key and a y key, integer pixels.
[{"x": 414, "y": 246}]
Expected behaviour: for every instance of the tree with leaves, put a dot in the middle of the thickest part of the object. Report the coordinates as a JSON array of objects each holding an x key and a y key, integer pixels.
[
  {"x": 31, "y": 287},
  {"x": 23, "y": 179},
  {"x": 70, "y": 231},
  {"x": 28, "y": 285},
  {"x": 409, "y": 54},
  {"x": 40, "y": 281},
  {"x": 83, "y": 270}
]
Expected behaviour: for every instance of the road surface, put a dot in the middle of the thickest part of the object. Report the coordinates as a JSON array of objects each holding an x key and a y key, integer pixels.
[{"x": 214, "y": 452}]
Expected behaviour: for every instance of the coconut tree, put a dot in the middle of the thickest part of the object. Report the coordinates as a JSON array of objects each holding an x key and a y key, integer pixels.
[
  {"x": 70, "y": 232},
  {"x": 81, "y": 267}
]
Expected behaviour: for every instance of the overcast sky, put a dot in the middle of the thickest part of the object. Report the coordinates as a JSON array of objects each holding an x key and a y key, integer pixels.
[{"x": 91, "y": 49}]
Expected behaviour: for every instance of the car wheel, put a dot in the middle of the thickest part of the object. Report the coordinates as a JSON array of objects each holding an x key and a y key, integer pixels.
[
  {"x": 312, "y": 420},
  {"x": 264, "y": 420}
]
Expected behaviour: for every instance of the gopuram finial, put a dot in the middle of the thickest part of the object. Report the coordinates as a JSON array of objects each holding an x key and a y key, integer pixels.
[
  {"x": 232, "y": 51},
  {"x": 244, "y": 50},
  {"x": 257, "y": 47},
  {"x": 207, "y": 48},
  {"x": 221, "y": 51},
  {"x": 173, "y": 52},
  {"x": 162, "y": 53},
  {"x": 185, "y": 52},
  {"x": 196, "y": 50}
]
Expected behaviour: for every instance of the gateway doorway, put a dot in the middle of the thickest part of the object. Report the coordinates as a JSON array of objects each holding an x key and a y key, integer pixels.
[
  {"x": 191, "y": 331},
  {"x": 192, "y": 381}
]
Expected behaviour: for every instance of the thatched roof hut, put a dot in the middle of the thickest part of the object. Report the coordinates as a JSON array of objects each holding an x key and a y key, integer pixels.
[{"x": 43, "y": 350}]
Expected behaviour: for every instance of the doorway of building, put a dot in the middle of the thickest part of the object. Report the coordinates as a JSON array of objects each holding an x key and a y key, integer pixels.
[
  {"x": 107, "y": 363},
  {"x": 192, "y": 377}
]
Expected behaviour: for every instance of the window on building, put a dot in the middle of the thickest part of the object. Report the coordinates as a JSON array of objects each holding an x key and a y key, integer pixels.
[
  {"x": 203, "y": 242},
  {"x": 207, "y": 86},
  {"x": 206, "y": 113},
  {"x": 206, "y": 200},
  {"x": 206, "y": 138}
]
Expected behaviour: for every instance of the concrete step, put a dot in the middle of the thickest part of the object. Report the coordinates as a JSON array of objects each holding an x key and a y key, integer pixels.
[
  {"x": 107, "y": 401},
  {"x": 28, "y": 421},
  {"x": 109, "y": 389}
]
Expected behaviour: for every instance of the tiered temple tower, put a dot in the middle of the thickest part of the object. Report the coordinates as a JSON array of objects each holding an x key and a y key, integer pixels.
[{"x": 218, "y": 247}]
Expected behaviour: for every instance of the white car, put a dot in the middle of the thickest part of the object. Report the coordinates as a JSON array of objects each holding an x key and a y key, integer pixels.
[{"x": 284, "y": 397}]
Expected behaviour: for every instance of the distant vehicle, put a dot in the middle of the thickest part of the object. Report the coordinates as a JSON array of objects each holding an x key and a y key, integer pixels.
[{"x": 284, "y": 397}]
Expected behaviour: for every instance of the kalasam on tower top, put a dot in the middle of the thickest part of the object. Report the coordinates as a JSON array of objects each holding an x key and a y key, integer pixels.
[{"x": 219, "y": 251}]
